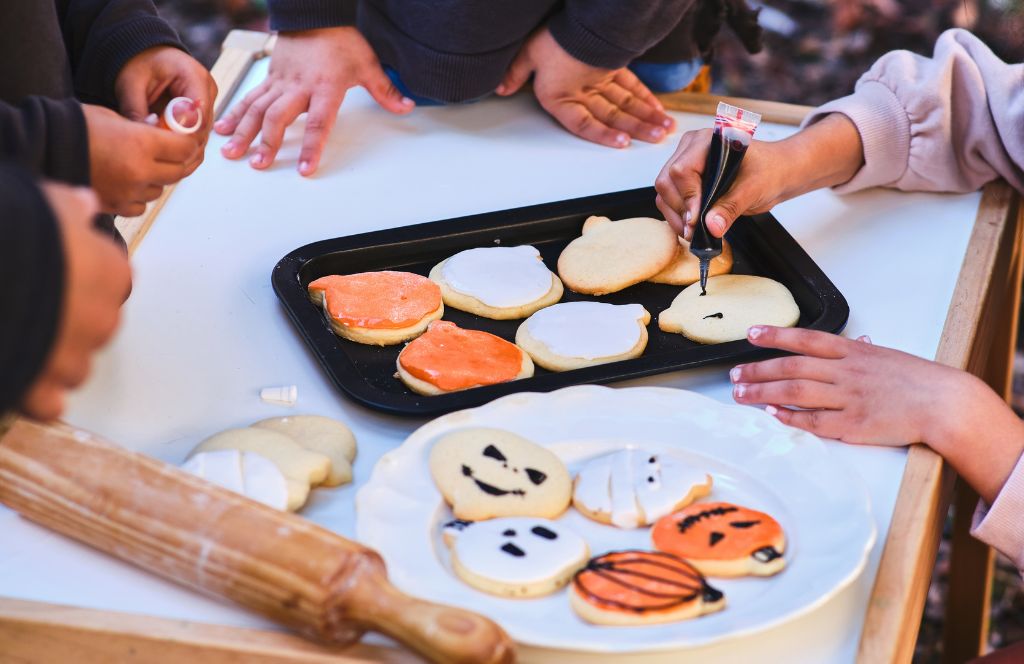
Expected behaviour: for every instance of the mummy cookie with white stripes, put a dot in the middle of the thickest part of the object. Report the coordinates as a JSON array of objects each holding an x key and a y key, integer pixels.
[
  {"x": 632, "y": 487},
  {"x": 572, "y": 335}
]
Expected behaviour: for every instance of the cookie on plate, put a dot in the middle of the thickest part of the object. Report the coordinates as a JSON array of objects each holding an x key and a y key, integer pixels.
[
  {"x": 733, "y": 303},
  {"x": 502, "y": 283},
  {"x": 485, "y": 473},
  {"x": 378, "y": 308},
  {"x": 571, "y": 335},
  {"x": 632, "y": 487},
  {"x": 612, "y": 255},
  {"x": 517, "y": 556},
  {"x": 319, "y": 434},
  {"x": 448, "y": 358},
  {"x": 722, "y": 539},
  {"x": 641, "y": 588},
  {"x": 685, "y": 268}
]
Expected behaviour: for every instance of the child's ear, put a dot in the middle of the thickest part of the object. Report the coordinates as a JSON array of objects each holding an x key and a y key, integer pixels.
[{"x": 593, "y": 222}]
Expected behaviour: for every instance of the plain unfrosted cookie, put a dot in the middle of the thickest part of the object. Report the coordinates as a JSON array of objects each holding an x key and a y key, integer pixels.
[
  {"x": 612, "y": 255},
  {"x": 517, "y": 556},
  {"x": 247, "y": 473},
  {"x": 485, "y": 473},
  {"x": 641, "y": 588},
  {"x": 632, "y": 488},
  {"x": 733, "y": 304},
  {"x": 685, "y": 267},
  {"x": 319, "y": 434},
  {"x": 502, "y": 283},
  {"x": 448, "y": 358},
  {"x": 378, "y": 308},
  {"x": 571, "y": 335},
  {"x": 722, "y": 539}
]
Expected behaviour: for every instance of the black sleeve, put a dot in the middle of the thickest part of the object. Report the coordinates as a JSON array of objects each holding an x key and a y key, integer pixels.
[
  {"x": 46, "y": 137},
  {"x": 31, "y": 283},
  {"x": 102, "y": 35},
  {"x": 288, "y": 15},
  {"x": 612, "y": 33}
]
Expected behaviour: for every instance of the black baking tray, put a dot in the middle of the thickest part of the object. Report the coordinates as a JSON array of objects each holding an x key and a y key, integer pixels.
[{"x": 761, "y": 246}]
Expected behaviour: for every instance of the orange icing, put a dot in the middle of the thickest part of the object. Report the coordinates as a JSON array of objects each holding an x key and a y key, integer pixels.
[
  {"x": 693, "y": 539},
  {"x": 451, "y": 358},
  {"x": 378, "y": 300},
  {"x": 639, "y": 582}
]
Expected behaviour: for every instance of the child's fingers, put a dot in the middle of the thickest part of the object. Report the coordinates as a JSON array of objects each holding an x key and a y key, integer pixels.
[
  {"x": 133, "y": 103},
  {"x": 617, "y": 118},
  {"x": 652, "y": 129},
  {"x": 799, "y": 340},
  {"x": 249, "y": 126},
  {"x": 671, "y": 216},
  {"x": 784, "y": 368},
  {"x": 275, "y": 121},
  {"x": 384, "y": 91},
  {"x": 633, "y": 84},
  {"x": 800, "y": 393},
  {"x": 323, "y": 113},
  {"x": 229, "y": 122},
  {"x": 171, "y": 148},
  {"x": 518, "y": 74},
  {"x": 578, "y": 119},
  {"x": 824, "y": 423}
]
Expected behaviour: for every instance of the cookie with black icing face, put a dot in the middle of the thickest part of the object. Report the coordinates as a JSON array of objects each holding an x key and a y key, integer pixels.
[
  {"x": 516, "y": 556},
  {"x": 485, "y": 473}
]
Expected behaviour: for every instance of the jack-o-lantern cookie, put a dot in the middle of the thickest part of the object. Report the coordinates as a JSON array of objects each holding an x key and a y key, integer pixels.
[
  {"x": 685, "y": 267},
  {"x": 486, "y": 473},
  {"x": 517, "y": 556},
  {"x": 502, "y": 283},
  {"x": 722, "y": 539},
  {"x": 632, "y": 488},
  {"x": 641, "y": 588},
  {"x": 378, "y": 308},
  {"x": 448, "y": 358},
  {"x": 572, "y": 335},
  {"x": 612, "y": 255}
]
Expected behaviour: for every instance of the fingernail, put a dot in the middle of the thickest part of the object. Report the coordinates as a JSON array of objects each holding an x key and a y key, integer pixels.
[
  {"x": 687, "y": 216},
  {"x": 657, "y": 133},
  {"x": 739, "y": 390},
  {"x": 771, "y": 410},
  {"x": 734, "y": 374},
  {"x": 716, "y": 222},
  {"x": 304, "y": 167},
  {"x": 228, "y": 147},
  {"x": 407, "y": 102},
  {"x": 257, "y": 159},
  {"x": 220, "y": 125},
  {"x": 622, "y": 139},
  {"x": 754, "y": 332},
  {"x": 501, "y": 89},
  {"x": 667, "y": 122},
  {"x": 865, "y": 338}
]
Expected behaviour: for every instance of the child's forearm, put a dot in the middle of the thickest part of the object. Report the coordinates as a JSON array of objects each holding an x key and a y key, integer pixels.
[{"x": 826, "y": 154}]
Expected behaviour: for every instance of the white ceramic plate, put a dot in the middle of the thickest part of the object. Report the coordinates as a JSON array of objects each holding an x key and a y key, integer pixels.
[{"x": 755, "y": 461}]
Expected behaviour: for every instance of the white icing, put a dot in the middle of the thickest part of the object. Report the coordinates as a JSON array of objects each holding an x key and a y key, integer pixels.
[
  {"x": 247, "y": 473},
  {"x": 631, "y": 488},
  {"x": 479, "y": 549},
  {"x": 499, "y": 276},
  {"x": 588, "y": 330}
]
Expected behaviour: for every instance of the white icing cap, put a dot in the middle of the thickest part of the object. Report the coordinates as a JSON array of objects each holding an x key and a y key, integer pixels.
[{"x": 286, "y": 395}]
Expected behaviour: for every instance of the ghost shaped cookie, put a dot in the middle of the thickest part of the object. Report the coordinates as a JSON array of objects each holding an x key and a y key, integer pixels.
[
  {"x": 486, "y": 473},
  {"x": 722, "y": 539},
  {"x": 572, "y": 335},
  {"x": 517, "y": 556},
  {"x": 612, "y": 255}
]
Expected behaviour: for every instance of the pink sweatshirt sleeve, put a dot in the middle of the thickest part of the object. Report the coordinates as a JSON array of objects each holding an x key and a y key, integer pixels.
[
  {"x": 951, "y": 122},
  {"x": 1001, "y": 526}
]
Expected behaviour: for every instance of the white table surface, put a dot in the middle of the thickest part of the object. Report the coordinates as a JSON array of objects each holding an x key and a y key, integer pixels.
[{"x": 203, "y": 331}]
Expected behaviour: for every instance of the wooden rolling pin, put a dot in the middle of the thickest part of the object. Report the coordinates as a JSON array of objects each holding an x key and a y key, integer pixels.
[{"x": 164, "y": 520}]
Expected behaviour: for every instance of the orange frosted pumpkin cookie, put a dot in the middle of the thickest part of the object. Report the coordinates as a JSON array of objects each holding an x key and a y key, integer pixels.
[
  {"x": 641, "y": 588},
  {"x": 722, "y": 539},
  {"x": 448, "y": 358},
  {"x": 378, "y": 308}
]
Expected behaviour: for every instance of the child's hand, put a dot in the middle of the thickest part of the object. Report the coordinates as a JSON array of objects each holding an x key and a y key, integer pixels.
[
  {"x": 159, "y": 74},
  {"x": 131, "y": 162},
  {"x": 97, "y": 278},
  {"x": 309, "y": 71},
  {"x": 601, "y": 105}
]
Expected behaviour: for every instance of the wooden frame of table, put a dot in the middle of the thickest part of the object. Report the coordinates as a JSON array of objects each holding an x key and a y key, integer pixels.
[{"x": 979, "y": 336}]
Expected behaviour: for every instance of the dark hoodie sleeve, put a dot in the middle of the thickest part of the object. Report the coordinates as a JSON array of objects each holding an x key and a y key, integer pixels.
[
  {"x": 288, "y": 15},
  {"x": 31, "y": 283},
  {"x": 611, "y": 33},
  {"x": 47, "y": 137},
  {"x": 102, "y": 35}
]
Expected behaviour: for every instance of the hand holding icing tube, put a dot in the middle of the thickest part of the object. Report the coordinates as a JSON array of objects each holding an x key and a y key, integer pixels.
[
  {"x": 734, "y": 129},
  {"x": 181, "y": 115}
]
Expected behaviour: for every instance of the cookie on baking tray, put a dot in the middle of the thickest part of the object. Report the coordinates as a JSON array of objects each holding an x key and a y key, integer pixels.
[
  {"x": 502, "y": 283},
  {"x": 685, "y": 268},
  {"x": 485, "y": 473},
  {"x": 448, "y": 358},
  {"x": 319, "y": 434},
  {"x": 571, "y": 335},
  {"x": 517, "y": 556},
  {"x": 641, "y": 588},
  {"x": 632, "y": 487},
  {"x": 722, "y": 539},
  {"x": 378, "y": 308},
  {"x": 733, "y": 303},
  {"x": 612, "y": 255}
]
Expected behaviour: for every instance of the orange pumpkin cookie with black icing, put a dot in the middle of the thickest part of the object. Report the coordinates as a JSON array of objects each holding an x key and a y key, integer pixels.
[
  {"x": 722, "y": 539},
  {"x": 641, "y": 588},
  {"x": 378, "y": 308},
  {"x": 448, "y": 358}
]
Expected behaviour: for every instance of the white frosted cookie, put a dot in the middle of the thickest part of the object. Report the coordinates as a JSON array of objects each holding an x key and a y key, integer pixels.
[
  {"x": 319, "y": 434},
  {"x": 571, "y": 335},
  {"x": 485, "y": 473},
  {"x": 502, "y": 283},
  {"x": 734, "y": 302},
  {"x": 612, "y": 255},
  {"x": 247, "y": 473},
  {"x": 685, "y": 268},
  {"x": 632, "y": 487},
  {"x": 517, "y": 556}
]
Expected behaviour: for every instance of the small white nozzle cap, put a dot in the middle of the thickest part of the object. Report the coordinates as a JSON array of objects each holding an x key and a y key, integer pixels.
[{"x": 285, "y": 395}]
